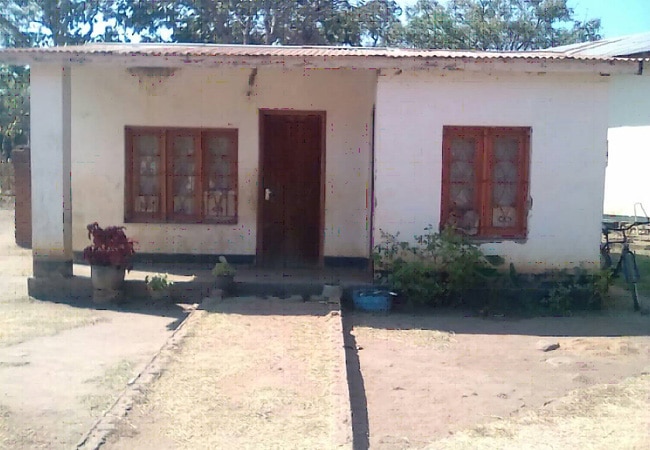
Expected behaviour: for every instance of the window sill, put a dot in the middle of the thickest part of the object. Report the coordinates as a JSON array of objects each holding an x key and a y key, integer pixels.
[{"x": 497, "y": 239}]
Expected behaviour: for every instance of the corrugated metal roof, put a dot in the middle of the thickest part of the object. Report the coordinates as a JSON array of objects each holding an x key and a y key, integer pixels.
[
  {"x": 613, "y": 47},
  {"x": 211, "y": 50}
]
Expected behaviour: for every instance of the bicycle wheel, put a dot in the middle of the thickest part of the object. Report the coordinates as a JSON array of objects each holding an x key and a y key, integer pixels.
[
  {"x": 635, "y": 296},
  {"x": 630, "y": 269},
  {"x": 605, "y": 258}
]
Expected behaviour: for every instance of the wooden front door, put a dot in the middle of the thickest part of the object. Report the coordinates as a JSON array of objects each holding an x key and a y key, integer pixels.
[{"x": 292, "y": 149}]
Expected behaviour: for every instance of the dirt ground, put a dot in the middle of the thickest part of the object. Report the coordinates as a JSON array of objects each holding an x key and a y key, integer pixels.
[
  {"x": 260, "y": 375},
  {"x": 254, "y": 374},
  {"x": 448, "y": 381},
  {"x": 62, "y": 365}
]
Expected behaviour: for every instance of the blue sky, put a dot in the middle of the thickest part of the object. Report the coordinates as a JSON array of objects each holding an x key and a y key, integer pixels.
[{"x": 618, "y": 17}]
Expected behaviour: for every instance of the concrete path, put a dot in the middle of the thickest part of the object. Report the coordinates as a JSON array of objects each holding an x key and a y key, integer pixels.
[{"x": 54, "y": 388}]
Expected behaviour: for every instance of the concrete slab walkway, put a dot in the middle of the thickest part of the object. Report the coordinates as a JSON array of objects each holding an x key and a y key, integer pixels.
[
  {"x": 55, "y": 384},
  {"x": 53, "y": 388}
]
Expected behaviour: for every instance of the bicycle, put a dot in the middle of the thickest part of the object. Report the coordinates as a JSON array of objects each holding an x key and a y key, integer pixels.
[{"x": 627, "y": 261}]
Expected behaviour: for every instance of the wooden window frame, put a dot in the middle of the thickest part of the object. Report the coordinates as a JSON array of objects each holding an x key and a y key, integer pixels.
[
  {"x": 483, "y": 165},
  {"x": 165, "y": 137}
]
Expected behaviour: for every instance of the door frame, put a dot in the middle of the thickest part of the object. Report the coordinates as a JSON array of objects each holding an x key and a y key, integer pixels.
[{"x": 263, "y": 113}]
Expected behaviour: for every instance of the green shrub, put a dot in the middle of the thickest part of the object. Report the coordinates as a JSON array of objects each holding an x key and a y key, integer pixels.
[
  {"x": 158, "y": 282},
  {"x": 581, "y": 290},
  {"x": 223, "y": 268},
  {"x": 438, "y": 269},
  {"x": 434, "y": 269}
]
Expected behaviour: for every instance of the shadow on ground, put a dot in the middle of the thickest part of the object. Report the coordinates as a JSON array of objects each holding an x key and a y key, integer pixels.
[
  {"x": 178, "y": 311},
  {"x": 356, "y": 387},
  {"x": 600, "y": 323}
]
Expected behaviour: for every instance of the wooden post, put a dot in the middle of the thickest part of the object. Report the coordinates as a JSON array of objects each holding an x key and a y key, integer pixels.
[{"x": 23, "y": 190}]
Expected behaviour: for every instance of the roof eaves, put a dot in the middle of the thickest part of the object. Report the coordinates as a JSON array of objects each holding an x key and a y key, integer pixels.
[{"x": 211, "y": 55}]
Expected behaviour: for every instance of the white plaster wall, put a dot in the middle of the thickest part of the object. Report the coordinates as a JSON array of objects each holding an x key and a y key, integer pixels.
[
  {"x": 104, "y": 100},
  {"x": 628, "y": 164},
  {"x": 50, "y": 165},
  {"x": 568, "y": 117}
]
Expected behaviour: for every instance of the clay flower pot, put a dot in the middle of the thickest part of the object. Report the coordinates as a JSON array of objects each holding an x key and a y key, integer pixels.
[
  {"x": 107, "y": 283},
  {"x": 107, "y": 277}
]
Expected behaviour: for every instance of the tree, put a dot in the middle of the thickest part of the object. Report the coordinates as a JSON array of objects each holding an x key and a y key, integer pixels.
[
  {"x": 14, "y": 23},
  {"x": 496, "y": 24},
  {"x": 379, "y": 22},
  {"x": 14, "y": 108},
  {"x": 288, "y": 22},
  {"x": 430, "y": 25}
]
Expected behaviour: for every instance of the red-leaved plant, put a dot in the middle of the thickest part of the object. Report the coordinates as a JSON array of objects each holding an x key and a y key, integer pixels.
[{"x": 110, "y": 247}]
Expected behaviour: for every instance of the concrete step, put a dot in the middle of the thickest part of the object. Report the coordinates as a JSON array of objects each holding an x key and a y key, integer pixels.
[{"x": 80, "y": 288}]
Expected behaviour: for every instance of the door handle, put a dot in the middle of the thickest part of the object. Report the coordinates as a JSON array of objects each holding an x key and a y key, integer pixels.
[{"x": 267, "y": 194}]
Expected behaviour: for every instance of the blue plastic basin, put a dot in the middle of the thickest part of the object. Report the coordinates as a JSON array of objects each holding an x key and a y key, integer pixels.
[{"x": 372, "y": 300}]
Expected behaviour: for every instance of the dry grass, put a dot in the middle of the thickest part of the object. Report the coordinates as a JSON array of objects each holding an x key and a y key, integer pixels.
[
  {"x": 5, "y": 432},
  {"x": 24, "y": 318},
  {"x": 109, "y": 386},
  {"x": 415, "y": 337},
  {"x": 600, "y": 417},
  {"x": 246, "y": 381}
]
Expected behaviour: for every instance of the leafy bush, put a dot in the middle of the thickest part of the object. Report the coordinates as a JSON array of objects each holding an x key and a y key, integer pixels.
[
  {"x": 437, "y": 269},
  {"x": 580, "y": 290},
  {"x": 433, "y": 270},
  {"x": 110, "y": 247},
  {"x": 158, "y": 282},
  {"x": 223, "y": 268}
]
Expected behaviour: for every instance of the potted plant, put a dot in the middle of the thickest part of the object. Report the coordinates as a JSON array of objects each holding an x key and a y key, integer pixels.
[
  {"x": 109, "y": 256},
  {"x": 159, "y": 286},
  {"x": 224, "y": 275}
]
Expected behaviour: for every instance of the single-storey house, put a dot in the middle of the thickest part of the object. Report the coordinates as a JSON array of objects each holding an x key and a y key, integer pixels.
[
  {"x": 628, "y": 162},
  {"x": 299, "y": 156}
]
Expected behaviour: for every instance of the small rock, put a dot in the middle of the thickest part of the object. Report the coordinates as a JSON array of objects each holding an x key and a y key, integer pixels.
[{"x": 547, "y": 346}]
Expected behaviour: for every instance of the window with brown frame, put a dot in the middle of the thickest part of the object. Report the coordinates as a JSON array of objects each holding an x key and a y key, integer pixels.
[
  {"x": 181, "y": 175},
  {"x": 485, "y": 180}
]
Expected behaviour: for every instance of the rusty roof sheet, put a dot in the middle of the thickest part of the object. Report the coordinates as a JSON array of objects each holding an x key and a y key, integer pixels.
[
  {"x": 213, "y": 50},
  {"x": 619, "y": 46}
]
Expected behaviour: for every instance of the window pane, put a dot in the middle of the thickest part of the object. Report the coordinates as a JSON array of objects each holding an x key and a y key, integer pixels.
[
  {"x": 505, "y": 174},
  {"x": 147, "y": 145},
  {"x": 219, "y": 203},
  {"x": 148, "y": 164},
  {"x": 219, "y": 146},
  {"x": 220, "y": 162},
  {"x": 506, "y": 148},
  {"x": 185, "y": 175},
  {"x": 504, "y": 182},
  {"x": 463, "y": 149},
  {"x": 463, "y": 208},
  {"x": 219, "y": 196},
  {"x": 462, "y": 196}
]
